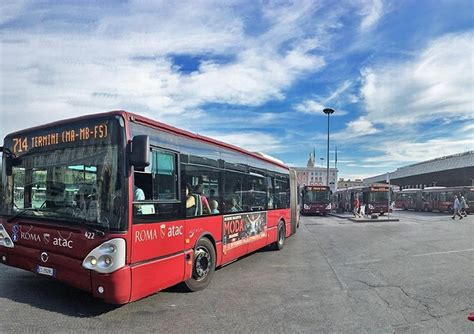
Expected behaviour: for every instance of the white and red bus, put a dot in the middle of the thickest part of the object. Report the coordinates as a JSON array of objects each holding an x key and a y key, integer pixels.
[
  {"x": 316, "y": 200},
  {"x": 122, "y": 206}
]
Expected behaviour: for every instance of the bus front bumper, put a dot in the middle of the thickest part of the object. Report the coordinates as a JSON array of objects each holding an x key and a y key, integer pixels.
[{"x": 113, "y": 288}]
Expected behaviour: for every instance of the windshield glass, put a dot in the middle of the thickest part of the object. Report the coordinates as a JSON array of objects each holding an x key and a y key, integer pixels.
[
  {"x": 77, "y": 181},
  {"x": 315, "y": 196},
  {"x": 378, "y": 197}
]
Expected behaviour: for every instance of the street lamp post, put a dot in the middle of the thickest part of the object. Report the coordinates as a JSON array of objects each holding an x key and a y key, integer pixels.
[{"x": 328, "y": 112}]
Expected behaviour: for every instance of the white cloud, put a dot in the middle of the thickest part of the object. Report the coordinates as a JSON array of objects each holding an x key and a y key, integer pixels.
[
  {"x": 371, "y": 12},
  {"x": 438, "y": 83},
  {"x": 415, "y": 151},
  {"x": 124, "y": 60},
  {"x": 316, "y": 106},
  {"x": 361, "y": 127},
  {"x": 11, "y": 10},
  {"x": 310, "y": 107}
]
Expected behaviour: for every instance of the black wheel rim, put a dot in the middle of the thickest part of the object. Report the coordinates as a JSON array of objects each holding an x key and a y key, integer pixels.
[{"x": 202, "y": 263}]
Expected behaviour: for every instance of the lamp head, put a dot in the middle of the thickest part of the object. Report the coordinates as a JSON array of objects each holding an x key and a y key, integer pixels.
[{"x": 328, "y": 111}]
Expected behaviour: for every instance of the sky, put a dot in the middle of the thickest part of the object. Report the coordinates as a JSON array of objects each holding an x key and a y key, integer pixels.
[{"x": 256, "y": 74}]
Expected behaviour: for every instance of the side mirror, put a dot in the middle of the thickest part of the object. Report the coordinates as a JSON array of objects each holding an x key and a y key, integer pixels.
[
  {"x": 140, "y": 151},
  {"x": 11, "y": 160}
]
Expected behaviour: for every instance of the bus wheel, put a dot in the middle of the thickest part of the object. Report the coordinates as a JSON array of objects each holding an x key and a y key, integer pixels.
[
  {"x": 426, "y": 208},
  {"x": 277, "y": 245},
  {"x": 204, "y": 264}
]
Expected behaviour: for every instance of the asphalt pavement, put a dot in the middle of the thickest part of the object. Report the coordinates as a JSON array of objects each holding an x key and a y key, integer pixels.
[{"x": 334, "y": 276}]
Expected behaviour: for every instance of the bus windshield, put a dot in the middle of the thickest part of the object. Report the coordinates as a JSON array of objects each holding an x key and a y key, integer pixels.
[
  {"x": 316, "y": 196},
  {"x": 78, "y": 182},
  {"x": 378, "y": 197}
]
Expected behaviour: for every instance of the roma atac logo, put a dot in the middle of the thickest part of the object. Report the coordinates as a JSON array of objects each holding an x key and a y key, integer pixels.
[
  {"x": 164, "y": 231},
  {"x": 62, "y": 241}
]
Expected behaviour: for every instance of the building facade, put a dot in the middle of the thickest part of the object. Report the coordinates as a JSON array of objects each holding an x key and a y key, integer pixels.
[
  {"x": 448, "y": 171},
  {"x": 341, "y": 184},
  {"x": 315, "y": 175}
]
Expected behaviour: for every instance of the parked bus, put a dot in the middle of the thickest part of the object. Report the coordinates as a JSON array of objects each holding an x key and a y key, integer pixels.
[
  {"x": 433, "y": 198},
  {"x": 374, "y": 198},
  {"x": 132, "y": 206},
  {"x": 316, "y": 200},
  {"x": 408, "y": 199}
]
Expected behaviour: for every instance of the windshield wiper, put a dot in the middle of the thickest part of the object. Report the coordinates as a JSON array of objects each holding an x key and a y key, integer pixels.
[
  {"x": 87, "y": 225},
  {"x": 77, "y": 221},
  {"x": 21, "y": 213}
]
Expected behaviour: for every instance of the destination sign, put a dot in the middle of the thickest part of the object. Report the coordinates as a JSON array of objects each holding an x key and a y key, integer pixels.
[
  {"x": 317, "y": 188},
  {"x": 379, "y": 189},
  {"x": 23, "y": 144}
]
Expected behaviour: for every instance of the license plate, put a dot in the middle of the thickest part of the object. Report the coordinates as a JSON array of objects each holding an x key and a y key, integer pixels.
[{"x": 45, "y": 271}]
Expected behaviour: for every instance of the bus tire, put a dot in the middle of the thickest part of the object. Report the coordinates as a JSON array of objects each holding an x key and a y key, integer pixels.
[
  {"x": 281, "y": 237},
  {"x": 204, "y": 265}
]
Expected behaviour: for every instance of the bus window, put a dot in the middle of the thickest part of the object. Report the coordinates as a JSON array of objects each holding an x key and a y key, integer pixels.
[
  {"x": 269, "y": 191},
  {"x": 254, "y": 197},
  {"x": 204, "y": 184},
  {"x": 281, "y": 198},
  {"x": 233, "y": 192},
  {"x": 156, "y": 188}
]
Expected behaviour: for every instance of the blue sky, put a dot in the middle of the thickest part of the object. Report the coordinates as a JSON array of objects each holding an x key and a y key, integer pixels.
[{"x": 257, "y": 74}]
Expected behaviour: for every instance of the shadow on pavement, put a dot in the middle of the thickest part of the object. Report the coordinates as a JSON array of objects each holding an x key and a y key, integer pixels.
[{"x": 53, "y": 296}]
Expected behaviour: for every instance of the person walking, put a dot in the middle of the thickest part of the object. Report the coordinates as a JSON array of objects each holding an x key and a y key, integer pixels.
[
  {"x": 456, "y": 208},
  {"x": 464, "y": 206},
  {"x": 356, "y": 207}
]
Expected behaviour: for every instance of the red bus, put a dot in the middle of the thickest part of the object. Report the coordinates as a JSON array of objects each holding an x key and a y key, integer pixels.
[
  {"x": 316, "y": 200},
  {"x": 433, "y": 198},
  {"x": 123, "y": 206},
  {"x": 408, "y": 199},
  {"x": 374, "y": 198}
]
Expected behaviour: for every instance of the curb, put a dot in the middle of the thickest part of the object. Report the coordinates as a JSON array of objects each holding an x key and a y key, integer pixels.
[
  {"x": 359, "y": 220},
  {"x": 378, "y": 220}
]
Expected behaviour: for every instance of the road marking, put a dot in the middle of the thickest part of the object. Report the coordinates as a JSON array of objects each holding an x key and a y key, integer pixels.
[
  {"x": 447, "y": 252},
  {"x": 363, "y": 262}
]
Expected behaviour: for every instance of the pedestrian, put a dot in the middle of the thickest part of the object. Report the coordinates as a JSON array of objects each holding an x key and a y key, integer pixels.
[
  {"x": 464, "y": 206},
  {"x": 456, "y": 208},
  {"x": 356, "y": 207}
]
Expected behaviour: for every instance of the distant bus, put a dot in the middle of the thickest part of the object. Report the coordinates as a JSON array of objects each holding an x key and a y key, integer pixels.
[
  {"x": 439, "y": 199},
  {"x": 122, "y": 206},
  {"x": 408, "y": 199},
  {"x": 374, "y": 198},
  {"x": 316, "y": 200}
]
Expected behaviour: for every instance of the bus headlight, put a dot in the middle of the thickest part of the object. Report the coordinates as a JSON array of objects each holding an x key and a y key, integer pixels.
[
  {"x": 106, "y": 258},
  {"x": 371, "y": 207},
  {"x": 5, "y": 239},
  {"x": 306, "y": 206},
  {"x": 328, "y": 207}
]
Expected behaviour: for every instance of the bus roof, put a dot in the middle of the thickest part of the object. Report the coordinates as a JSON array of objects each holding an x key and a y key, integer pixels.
[{"x": 158, "y": 125}]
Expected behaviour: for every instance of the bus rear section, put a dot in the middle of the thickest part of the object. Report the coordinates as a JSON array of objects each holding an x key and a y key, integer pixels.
[
  {"x": 122, "y": 206},
  {"x": 316, "y": 200}
]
